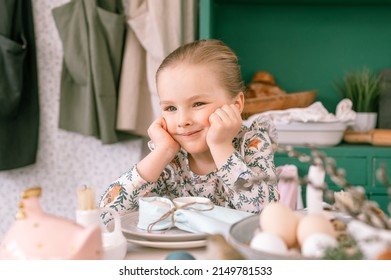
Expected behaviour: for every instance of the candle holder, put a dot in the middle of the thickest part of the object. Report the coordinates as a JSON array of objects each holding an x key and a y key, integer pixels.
[{"x": 87, "y": 215}]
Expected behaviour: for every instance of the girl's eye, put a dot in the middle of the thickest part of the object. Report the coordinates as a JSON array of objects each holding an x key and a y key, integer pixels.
[
  {"x": 198, "y": 104},
  {"x": 170, "y": 108}
]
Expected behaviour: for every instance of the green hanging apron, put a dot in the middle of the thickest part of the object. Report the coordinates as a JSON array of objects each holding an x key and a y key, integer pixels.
[{"x": 93, "y": 38}]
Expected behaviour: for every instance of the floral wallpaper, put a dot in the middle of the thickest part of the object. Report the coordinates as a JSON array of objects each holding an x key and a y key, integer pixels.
[{"x": 65, "y": 160}]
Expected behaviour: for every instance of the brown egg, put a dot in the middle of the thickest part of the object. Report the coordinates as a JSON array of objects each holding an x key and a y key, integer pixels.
[
  {"x": 299, "y": 215},
  {"x": 279, "y": 219},
  {"x": 314, "y": 223},
  {"x": 385, "y": 255}
]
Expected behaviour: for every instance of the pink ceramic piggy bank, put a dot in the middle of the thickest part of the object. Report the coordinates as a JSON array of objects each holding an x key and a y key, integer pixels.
[{"x": 37, "y": 235}]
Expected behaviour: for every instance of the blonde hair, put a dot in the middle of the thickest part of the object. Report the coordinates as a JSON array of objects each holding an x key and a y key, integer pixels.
[{"x": 213, "y": 52}]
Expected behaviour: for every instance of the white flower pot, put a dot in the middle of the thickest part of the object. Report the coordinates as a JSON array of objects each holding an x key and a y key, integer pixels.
[{"x": 365, "y": 121}]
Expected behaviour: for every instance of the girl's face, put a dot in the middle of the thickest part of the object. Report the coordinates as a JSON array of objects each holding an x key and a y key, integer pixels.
[{"x": 189, "y": 94}]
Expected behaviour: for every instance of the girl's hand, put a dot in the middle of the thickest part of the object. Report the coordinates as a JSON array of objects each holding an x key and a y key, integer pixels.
[
  {"x": 165, "y": 150},
  {"x": 161, "y": 139},
  {"x": 225, "y": 124}
]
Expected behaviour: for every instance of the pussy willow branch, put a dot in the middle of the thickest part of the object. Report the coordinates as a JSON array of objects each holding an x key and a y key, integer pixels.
[
  {"x": 361, "y": 208},
  {"x": 381, "y": 175}
]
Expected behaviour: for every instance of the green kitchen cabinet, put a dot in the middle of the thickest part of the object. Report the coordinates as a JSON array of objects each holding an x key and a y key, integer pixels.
[
  {"x": 310, "y": 45},
  {"x": 360, "y": 162}
]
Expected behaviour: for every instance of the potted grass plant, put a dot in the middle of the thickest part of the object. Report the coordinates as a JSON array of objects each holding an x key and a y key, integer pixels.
[{"x": 363, "y": 88}]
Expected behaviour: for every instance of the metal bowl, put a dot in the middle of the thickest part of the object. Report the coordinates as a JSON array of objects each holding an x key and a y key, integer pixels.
[{"x": 240, "y": 235}]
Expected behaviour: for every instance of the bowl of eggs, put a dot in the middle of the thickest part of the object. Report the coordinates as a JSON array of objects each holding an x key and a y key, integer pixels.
[{"x": 281, "y": 233}]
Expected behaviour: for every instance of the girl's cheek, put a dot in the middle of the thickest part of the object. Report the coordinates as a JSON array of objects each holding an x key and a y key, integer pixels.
[
  {"x": 170, "y": 125},
  {"x": 207, "y": 118}
]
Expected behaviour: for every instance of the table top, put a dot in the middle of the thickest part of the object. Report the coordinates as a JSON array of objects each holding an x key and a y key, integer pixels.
[{"x": 137, "y": 252}]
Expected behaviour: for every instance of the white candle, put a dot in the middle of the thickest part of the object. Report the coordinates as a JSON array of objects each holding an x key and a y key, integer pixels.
[
  {"x": 85, "y": 198},
  {"x": 86, "y": 213},
  {"x": 314, "y": 196}
]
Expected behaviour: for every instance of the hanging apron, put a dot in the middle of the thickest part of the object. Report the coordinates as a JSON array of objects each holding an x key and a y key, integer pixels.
[
  {"x": 19, "y": 104},
  {"x": 92, "y": 36}
]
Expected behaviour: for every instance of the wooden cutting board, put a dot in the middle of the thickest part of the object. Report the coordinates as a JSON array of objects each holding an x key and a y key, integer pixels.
[{"x": 376, "y": 137}]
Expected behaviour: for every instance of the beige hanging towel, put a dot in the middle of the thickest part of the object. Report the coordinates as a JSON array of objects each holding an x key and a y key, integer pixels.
[{"x": 155, "y": 28}]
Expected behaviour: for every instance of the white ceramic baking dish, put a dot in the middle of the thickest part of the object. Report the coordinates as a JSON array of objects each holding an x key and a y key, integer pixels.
[{"x": 311, "y": 133}]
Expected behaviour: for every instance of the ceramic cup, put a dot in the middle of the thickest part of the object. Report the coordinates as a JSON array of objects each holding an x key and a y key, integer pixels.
[
  {"x": 88, "y": 218},
  {"x": 114, "y": 242}
]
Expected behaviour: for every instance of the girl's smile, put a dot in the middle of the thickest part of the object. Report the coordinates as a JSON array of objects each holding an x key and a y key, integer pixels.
[{"x": 189, "y": 134}]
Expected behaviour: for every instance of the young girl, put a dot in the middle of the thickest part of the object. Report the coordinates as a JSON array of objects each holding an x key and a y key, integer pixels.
[{"x": 199, "y": 145}]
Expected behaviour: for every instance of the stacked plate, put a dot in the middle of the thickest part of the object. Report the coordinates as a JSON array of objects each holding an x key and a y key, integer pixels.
[{"x": 170, "y": 239}]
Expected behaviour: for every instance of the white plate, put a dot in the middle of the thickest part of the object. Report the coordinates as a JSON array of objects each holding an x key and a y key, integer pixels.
[
  {"x": 129, "y": 226},
  {"x": 169, "y": 244}
]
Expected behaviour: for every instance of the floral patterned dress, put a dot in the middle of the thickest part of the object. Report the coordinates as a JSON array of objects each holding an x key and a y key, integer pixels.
[{"x": 232, "y": 185}]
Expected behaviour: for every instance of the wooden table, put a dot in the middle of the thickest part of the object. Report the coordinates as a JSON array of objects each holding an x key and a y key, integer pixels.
[{"x": 136, "y": 252}]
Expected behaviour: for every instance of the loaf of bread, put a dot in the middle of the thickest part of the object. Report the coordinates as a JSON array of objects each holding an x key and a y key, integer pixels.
[{"x": 263, "y": 84}]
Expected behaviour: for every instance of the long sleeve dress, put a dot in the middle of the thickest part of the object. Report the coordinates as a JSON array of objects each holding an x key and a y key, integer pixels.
[{"x": 229, "y": 186}]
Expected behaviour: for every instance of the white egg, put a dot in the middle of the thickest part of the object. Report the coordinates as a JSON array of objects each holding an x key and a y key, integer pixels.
[
  {"x": 269, "y": 242},
  {"x": 315, "y": 245}
]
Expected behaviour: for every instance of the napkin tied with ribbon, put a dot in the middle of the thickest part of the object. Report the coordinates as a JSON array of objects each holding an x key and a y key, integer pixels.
[{"x": 159, "y": 213}]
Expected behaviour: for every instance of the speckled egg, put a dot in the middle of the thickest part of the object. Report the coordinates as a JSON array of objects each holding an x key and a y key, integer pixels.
[{"x": 316, "y": 245}]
